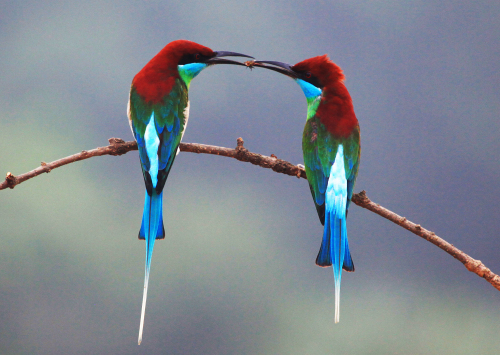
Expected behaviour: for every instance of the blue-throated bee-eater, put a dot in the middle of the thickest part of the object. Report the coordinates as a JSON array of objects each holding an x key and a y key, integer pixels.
[
  {"x": 158, "y": 112},
  {"x": 331, "y": 149}
]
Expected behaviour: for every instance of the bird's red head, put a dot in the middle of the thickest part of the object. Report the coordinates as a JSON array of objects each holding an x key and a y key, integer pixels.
[
  {"x": 335, "y": 109},
  {"x": 320, "y": 67},
  {"x": 158, "y": 77},
  {"x": 174, "y": 52}
]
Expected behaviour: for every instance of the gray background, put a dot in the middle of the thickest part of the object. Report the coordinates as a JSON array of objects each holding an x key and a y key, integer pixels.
[{"x": 236, "y": 273}]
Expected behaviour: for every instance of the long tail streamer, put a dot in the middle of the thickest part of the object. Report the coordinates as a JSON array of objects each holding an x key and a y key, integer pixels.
[{"x": 152, "y": 227}]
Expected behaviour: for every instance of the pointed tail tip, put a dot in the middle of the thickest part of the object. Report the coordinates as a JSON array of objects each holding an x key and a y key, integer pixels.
[
  {"x": 141, "y": 327},
  {"x": 337, "y": 303},
  {"x": 139, "y": 340},
  {"x": 143, "y": 309}
]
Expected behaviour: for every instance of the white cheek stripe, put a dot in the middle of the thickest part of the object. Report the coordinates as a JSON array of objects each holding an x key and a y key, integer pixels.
[
  {"x": 152, "y": 142},
  {"x": 336, "y": 191}
]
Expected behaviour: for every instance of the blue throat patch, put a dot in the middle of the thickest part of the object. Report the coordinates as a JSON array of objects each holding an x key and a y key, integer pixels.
[
  {"x": 313, "y": 95},
  {"x": 309, "y": 90},
  {"x": 189, "y": 71}
]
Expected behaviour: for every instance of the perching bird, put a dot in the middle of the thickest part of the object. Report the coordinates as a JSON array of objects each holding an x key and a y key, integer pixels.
[
  {"x": 158, "y": 111},
  {"x": 331, "y": 148}
]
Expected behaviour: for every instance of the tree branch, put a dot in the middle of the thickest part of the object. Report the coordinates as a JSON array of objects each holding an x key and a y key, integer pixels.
[
  {"x": 118, "y": 146},
  {"x": 473, "y": 265}
]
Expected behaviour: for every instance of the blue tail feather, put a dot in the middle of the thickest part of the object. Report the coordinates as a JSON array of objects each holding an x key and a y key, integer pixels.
[
  {"x": 348, "y": 264},
  {"x": 151, "y": 229},
  {"x": 335, "y": 252},
  {"x": 145, "y": 216},
  {"x": 338, "y": 245},
  {"x": 324, "y": 258},
  {"x": 152, "y": 223}
]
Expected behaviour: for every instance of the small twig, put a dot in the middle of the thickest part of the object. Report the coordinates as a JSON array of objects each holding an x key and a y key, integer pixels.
[{"x": 119, "y": 146}]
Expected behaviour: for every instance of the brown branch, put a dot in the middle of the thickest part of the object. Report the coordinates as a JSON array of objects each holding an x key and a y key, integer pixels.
[
  {"x": 119, "y": 146},
  {"x": 242, "y": 154},
  {"x": 473, "y": 265}
]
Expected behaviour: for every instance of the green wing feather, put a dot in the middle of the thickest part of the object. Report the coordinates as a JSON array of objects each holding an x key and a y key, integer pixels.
[
  {"x": 170, "y": 122},
  {"x": 319, "y": 147}
]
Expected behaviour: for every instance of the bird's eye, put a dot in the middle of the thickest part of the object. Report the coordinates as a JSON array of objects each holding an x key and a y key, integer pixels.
[
  {"x": 308, "y": 75},
  {"x": 197, "y": 56}
]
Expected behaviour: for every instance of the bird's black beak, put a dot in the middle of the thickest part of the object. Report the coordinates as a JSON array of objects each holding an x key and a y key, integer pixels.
[
  {"x": 283, "y": 68},
  {"x": 216, "y": 59}
]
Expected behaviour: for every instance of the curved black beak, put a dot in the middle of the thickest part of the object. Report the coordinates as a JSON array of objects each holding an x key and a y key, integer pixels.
[
  {"x": 218, "y": 60},
  {"x": 283, "y": 68}
]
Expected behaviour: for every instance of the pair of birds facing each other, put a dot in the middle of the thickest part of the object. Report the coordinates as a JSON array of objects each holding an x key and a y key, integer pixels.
[{"x": 158, "y": 112}]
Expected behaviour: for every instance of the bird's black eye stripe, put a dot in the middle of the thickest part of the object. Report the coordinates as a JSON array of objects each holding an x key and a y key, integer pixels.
[
  {"x": 310, "y": 78},
  {"x": 193, "y": 58}
]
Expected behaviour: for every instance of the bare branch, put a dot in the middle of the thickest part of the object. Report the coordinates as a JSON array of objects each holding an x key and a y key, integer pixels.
[
  {"x": 473, "y": 265},
  {"x": 242, "y": 154},
  {"x": 119, "y": 146}
]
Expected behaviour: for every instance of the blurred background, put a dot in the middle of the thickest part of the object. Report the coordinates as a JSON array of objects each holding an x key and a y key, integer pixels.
[{"x": 236, "y": 273}]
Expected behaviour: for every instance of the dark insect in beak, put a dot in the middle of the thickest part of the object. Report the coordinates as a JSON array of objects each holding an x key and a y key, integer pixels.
[{"x": 283, "y": 68}]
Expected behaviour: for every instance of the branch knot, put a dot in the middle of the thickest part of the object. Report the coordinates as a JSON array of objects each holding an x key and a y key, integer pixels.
[
  {"x": 11, "y": 180},
  {"x": 117, "y": 146},
  {"x": 360, "y": 198},
  {"x": 115, "y": 141},
  {"x": 45, "y": 167},
  {"x": 239, "y": 145},
  {"x": 475, "y": 266}
]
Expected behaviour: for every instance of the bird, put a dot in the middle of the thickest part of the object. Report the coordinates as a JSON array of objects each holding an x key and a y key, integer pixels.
[
  {"x": 331, "y": 150},
  {"x": 158, "y": 112}
]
